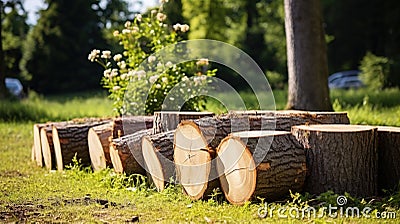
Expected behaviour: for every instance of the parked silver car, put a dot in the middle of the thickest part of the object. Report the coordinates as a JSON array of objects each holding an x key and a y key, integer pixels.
[{"x": 345, "y": 80}]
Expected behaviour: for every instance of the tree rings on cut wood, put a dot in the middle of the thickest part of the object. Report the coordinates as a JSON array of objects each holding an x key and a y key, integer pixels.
[
  {"x": 126, "y": 153},
  {"x": 37, "y": 144},
  {"x": 46, "y": 139},
  {"x": 168, "y": 120},
  {"x": 389, "y": 157},
  {"x": 131, "y": 124},
  {"x": 158, "y": 155},
  {"x": 267, "y": 164},
  {"x": 340, "y": 158},
  {"x": 99, "y": 139},
  {"x": 192, "y": 158}
]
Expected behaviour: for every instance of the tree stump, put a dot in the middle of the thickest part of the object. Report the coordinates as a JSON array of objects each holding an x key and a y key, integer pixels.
[
  {"x": 72, "y": 139},
  {"x": 168, "y": 120},
  {"x": 99, "y": 139},
  {"x": 267, "y": 164},
  {"x": 340, "y": 158},
  {"x": 158, "y": 154},
  {"x": 46, "y": 140},
  {"x": 388, "y": 158},
  {"x": 131, "y": 124},
  {"x": 126, "y": 153}
]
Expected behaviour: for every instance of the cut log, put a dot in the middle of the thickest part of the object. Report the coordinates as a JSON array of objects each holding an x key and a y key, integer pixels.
[
  {"x": 72, "y": 139},
  {"x": 99, "y": 139},
  {"x": 168, "y": 120},
  {"x": 265, "y": 164},
  {"x": 37, "y": 144},
  {"x": 285, "y": 119},
  {"x": 388, "y": 158},
  {"x": 340, "y": 158},
  {"x": 158, "y": 155},
  {"x": 46, "y": 140},
  {"x": 126, "y": 153},
  {"x": 195, "y": 169},
  {"x": 131, "y": 124}
]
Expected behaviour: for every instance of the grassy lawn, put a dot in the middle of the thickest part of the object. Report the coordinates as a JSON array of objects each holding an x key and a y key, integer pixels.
[{"x": 32, "y": 194}]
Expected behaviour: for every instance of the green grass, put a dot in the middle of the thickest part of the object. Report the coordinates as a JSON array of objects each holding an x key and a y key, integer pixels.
[{"x": 32, "y": 194}]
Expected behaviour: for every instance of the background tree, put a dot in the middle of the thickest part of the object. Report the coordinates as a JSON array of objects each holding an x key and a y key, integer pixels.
[
  {"x": 55, "y": 54},
  {"x": 3, "y": 90},
  {"x": 14, "y": 31},
  {"x": 307, "y": 60}
]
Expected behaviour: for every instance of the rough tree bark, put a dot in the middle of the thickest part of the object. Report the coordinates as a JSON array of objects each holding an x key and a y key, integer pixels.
[
  {"x": 306, "y": 54},
  {"x": 130, "y": 124},
  {"x": 126, "y": 153},
  {"x": 340, "y": 158},
  {"x": 389, "y": 157},
  {"x": 168, "y": 120},
  {"x": 158, "y": 154}
]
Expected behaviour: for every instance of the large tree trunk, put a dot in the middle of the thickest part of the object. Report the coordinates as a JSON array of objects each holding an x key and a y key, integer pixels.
[
  {"x": 340, "y": 158},
  {"x": 158, "y": 155},
  {"x": 306, "y": 53},
  {"x": 168, "y": 120},
  {"x": 389, "y": 158},
  {"x": 131, "y": 124},
  {"x": 126, "y": 153},
  {"x": 72, "y": 139},
  {"x": 267, "y": 164},
  {"x": 99, "y": 139}
]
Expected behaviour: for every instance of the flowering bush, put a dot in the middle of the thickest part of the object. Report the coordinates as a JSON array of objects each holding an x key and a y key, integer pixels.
[{"x": 135, "y": 84}]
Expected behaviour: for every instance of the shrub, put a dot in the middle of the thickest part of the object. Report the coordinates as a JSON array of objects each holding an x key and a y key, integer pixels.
[
  {"x": 374, "y": 71},
  {"x": 275, "y": 79},
  {"x": 135, "y": 86}
]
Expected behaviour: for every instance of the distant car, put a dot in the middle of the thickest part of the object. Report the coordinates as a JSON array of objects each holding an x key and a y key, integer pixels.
[
  {"x": 15, "y": 87},
  {"x": 345, "y": 80}
]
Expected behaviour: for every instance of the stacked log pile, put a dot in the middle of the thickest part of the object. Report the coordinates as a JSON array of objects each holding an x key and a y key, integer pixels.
[{"x": 247, "y": 154}]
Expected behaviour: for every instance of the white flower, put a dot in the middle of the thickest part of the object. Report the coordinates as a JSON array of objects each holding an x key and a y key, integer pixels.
[
  {"x": 184, "y": 28},
  {"x": 107, "y": 73},
  {"x": 152, "y": 32},
  {"x": 153, "y": 78},
  {"x": 197, "y": 81},
  {"x": 135, "y": 29},
  {"x": 106, "y": 54},
  {"x": 115, "y": 33},
  {"x": 116, "y": 88},
  {"x": 117, "y": 57},
  {"x": 163, "y": 1},
  {"x": 128, "y": 24},
  {"x": 141, "y": 74},
  {"x": 123, "y": 76},
  {"x": 161, "y": 16},
  {"x": 202, "y": 61},
  {"x": 151, "y": 58},
  {"x": 171, "y": 98},
  {"x": 169, "y": 64},
  {"x": 122, "y": 64},
  {"x": 158, "y": 86},
  {"x": 153, "y": 12},
  {"x": 126, "y": 31},
  {"x": 114, "y": 73},
  {"x": 138, "y": 17},
  {"x": 185, "y": 79},
  {"x": 177, "y": 26},
  {"x": 93, "y": 55},
  {"x": 164, "y": 79},
  {"x": 131, "y": 73}
]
